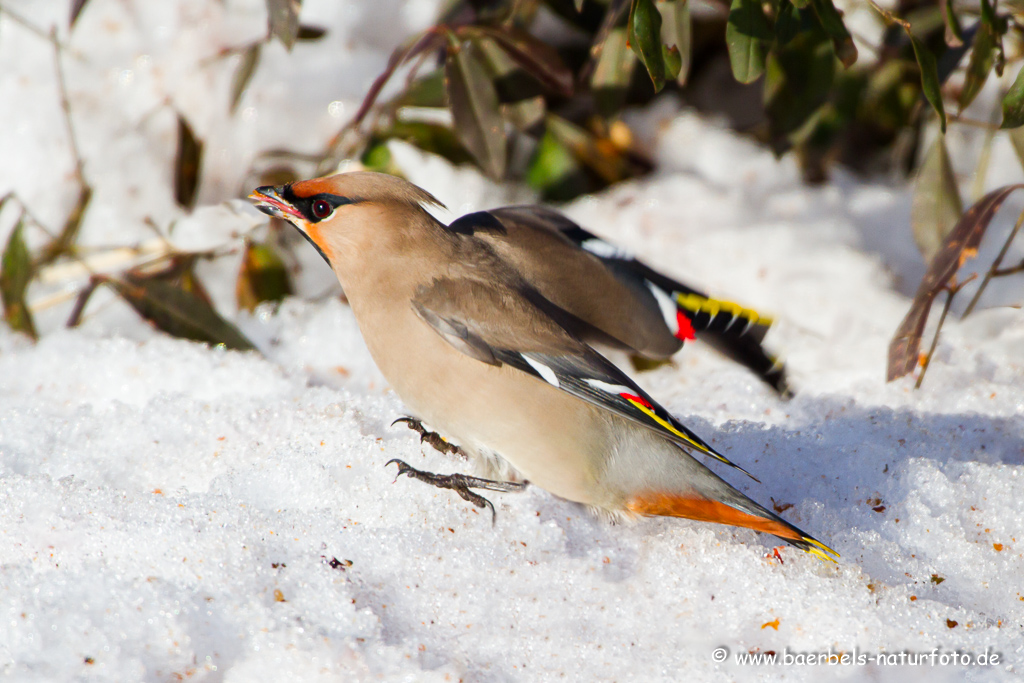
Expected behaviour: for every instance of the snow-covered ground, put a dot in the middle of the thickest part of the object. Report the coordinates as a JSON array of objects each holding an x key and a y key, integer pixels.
[{"x": 174, "y": 512}]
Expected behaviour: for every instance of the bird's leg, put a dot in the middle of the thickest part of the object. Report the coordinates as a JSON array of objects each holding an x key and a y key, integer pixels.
[
  {"x": 460, "y": 483},
  {"x": 433, "y": 438}
]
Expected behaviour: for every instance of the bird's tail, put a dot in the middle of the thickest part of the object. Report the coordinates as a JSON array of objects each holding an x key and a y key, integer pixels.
[
  {"x": 733, "y": 330},
  {"x": 738, "y": 511}
]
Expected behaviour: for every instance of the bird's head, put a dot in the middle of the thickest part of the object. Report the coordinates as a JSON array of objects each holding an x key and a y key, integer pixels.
[{"x": 348, "y": 216}]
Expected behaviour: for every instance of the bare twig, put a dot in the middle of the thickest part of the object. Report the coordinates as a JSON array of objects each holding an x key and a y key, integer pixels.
[
  {"x": 951, "y": 292},
  {"x": 65, "y": 104},
  {"x": 993, "y": 271}
]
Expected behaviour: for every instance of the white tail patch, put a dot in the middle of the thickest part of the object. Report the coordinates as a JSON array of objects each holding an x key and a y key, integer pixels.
[
  {"x": 603, "y": 249},
  {"x": 609, "y": 388},
  {"x": 544, "y": 371},
  {"x": 666, "y": 305}
]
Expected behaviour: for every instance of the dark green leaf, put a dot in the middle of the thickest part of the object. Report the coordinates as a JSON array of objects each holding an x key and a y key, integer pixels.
[
  {"x": 613, "y": 73},
  {"x": 283, "y": 20},
  {"x": 801, "y": 4},
  {"x": 65, "y": 242},
  {"x": 511, "y": 82},
  {"x": 1013, "y": 104},
  {"x": 186, "y": 165},
  {"x": 425, "y": 91},
  {"x": 76, "y": 8},
  {"x": 960, "y": 245},
  {"x": 536, "y": 57},
  {"x": 746, "y": 34},
  {"x": 937, "y": 206},
  {"x": 262, "y": 277},
  {"x": 310, "y": 33},
  {"x": 929, "y": 78},
  {"x": 832, "y": 22},
  {"x": 954, "y": 33},
  {"x": 430, "y": 137},
  {"x": 244, "y": 72},
  {"x": 797, "y": 83},
  {"x": 579, "y": 5},
  {"x": 178, "y": 311},
  {"x": 645, "y": 40},
  {"x": 15, "y": 273},
  {"x": 474, "y": 105},
  {"x": 983, "y": 56}
]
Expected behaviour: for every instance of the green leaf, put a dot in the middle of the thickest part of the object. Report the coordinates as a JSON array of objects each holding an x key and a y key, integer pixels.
[
  {"x": 244, "y": 73},
  {"x": 16, "y": 272},
  {"x": 64, "y": 243},
  {"x": 798, "y": 82},
  {"x": 178, "y": 311},
  {"x": 1013, "y": 104},
  {"x": 613, "y": 72},
  {"x": 832, "y": 22},
  {"x": 929, "y": 78},
  {"x": 645, "y": 40},
  {"x": 746, "y": 35},
  {"x": 262, "y": 277},
  {"x": 474, "y": 104},
  {"x": 677, "y": 30},
  {"x": 954, "y": 33},
  {"x": 673, "y": 62},
  {"x": 536, "y": 57},
  {"x": 983, "y": 56},
  {"x": 186, "y": 165},
  {"x": 579, "y": 5},
  {"x": 283, "y": 20},
  {"x": 937, "y": 206},
  {"x": 801, "y": 4}
]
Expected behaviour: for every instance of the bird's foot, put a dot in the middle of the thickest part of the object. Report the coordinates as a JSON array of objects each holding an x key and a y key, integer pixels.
[
  {"x": 460, "y": 483},
  {"x": 433, "y": 438}
]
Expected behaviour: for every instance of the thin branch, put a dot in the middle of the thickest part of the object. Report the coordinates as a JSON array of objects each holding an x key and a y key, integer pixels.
[
  {"x": 65, "y": 104},
  {"x": 952, "y": 291},
  {"x": 888, "y": 16},
  {"x": 995, "y": 265}
]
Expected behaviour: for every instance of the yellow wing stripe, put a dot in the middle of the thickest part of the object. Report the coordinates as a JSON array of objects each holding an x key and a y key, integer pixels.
[
  {"x": 668, "y": 426},
  {"x": 699, "y": 304}
]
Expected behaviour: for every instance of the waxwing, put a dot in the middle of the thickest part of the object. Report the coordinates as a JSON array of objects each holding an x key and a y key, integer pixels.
[{"x": 478, "y": 352}]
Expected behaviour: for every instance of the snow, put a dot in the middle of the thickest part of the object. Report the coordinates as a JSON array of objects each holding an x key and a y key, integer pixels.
[{"x": 170, "y": 511}]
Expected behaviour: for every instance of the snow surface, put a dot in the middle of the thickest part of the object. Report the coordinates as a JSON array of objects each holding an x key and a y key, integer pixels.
[{"x": 170, "y": 511}]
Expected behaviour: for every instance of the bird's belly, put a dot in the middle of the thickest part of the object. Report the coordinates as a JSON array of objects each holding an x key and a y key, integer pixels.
[{"x": 553, "y": 439}]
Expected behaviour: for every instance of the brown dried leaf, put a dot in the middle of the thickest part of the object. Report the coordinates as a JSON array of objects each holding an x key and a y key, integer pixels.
[
  {"x": 961, "y": 244},
  {"x": 180, "y": 309},
  {"x": 76, "y": 8},
  {"x": 186, "y": 165},
  {"x": 937, "y": 206},
  {"x": 536, "y": 57},
  {"x": 283, "y": 20},
  {"x": 474, "y": 104},
  {"x": 244, "y": 73}
]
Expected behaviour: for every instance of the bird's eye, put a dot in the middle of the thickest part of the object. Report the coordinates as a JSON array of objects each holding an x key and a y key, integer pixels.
[{"x": 322, "y": 209}]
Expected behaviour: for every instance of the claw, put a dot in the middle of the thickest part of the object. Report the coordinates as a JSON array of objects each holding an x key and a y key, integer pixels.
[
  {"x": 460, "y": 483},
  {"x": 433, "y": 438}
]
